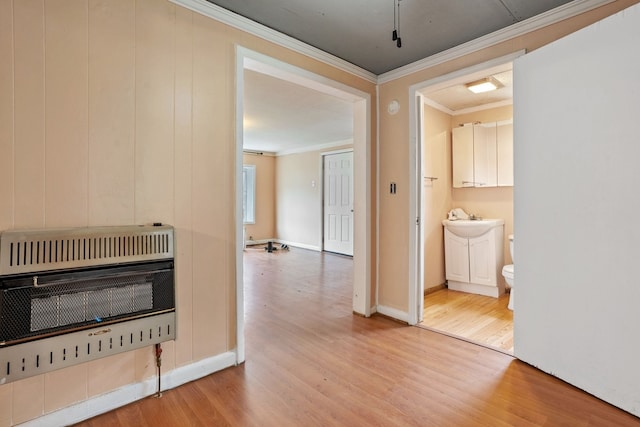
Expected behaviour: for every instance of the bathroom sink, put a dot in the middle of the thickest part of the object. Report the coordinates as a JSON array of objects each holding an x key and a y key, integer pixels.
[{"x": 471, "y": 228}]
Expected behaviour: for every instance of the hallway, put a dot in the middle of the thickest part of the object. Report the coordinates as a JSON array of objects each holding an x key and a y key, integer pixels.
[{"x": 311, "y": 362}]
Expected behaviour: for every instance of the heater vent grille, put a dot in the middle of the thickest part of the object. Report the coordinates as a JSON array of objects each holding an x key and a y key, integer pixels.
[
  {"x": 67, "y": 309},
  {"x": 53, "y": 303},
  {"x": 48, "y": 354},
  {"x": 26, "y": 251},
  {"x": 68, "y": 296}
]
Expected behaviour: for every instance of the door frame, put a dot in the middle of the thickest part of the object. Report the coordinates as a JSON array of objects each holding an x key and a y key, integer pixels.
[
  {"x": 362, "y": 146},
  {"x": 416, "y": 210}
]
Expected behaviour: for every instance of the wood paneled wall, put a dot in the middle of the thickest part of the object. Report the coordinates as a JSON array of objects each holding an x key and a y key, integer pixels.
[{"x": 118, "y": 112}]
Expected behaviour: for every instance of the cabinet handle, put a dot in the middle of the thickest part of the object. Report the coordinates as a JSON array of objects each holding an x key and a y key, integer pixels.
[{"x": 431, "y": 178}]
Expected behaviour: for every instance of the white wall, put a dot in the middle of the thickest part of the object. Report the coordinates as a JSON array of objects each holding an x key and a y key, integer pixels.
[{"x": 577, "y": 205}]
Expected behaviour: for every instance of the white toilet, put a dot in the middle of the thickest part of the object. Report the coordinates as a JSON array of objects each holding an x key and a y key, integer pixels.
[{"x": 507, "y": 273}]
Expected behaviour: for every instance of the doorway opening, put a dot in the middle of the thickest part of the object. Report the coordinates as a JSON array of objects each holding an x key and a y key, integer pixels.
[
  {"x": 360, "y": 107},
  {"x": 442, "y": 104}
]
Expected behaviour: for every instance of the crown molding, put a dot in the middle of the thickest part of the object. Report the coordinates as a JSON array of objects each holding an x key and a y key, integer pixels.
[
  {"x": 232, "y": 19},
  {"x": 483, "y": 107},
  {"x": 258, "y": 153},
  {"x": 537, "y": 22},
  {"x": 317, "y": 147},
  {"x": 534, "y": 23},
  {"x": 433, "y": 104}
]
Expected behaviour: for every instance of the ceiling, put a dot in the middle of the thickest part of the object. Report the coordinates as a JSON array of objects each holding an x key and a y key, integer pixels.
[
  {"x": 359, "y": 31},
  {"x": 281, "y": 116},
  {"x": 453, "y": 97}
]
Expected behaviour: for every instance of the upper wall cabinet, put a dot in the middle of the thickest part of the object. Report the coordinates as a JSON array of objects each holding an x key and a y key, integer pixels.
[
  {"x": 505, "y": 153},
  {"x": 483, "y": 155},
  {"x": 462, "y": 153}
]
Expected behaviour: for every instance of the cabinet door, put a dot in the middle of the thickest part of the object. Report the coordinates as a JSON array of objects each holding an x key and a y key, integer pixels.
[
  {"x": 462, "y": 153},
  {"x": 482, "y": 259},
  {"x": 505, "y": 153},
  {"x": 456, "y": 257},
  {"x": 484, "y": 155}
]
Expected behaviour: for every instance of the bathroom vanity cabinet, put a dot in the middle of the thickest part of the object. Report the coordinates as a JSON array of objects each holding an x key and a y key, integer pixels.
[
  {"x": 473, "y": 264},
  {"x": 483, "y": 155}
]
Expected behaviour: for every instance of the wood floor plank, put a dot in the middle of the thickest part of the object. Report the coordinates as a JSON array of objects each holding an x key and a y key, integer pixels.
[
  {"x": 478, "y": 318},
  {"x": 311, "y": 362}
]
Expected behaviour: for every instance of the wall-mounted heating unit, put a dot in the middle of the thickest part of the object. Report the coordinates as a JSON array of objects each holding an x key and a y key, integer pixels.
[{"x": 68, "y": 296}]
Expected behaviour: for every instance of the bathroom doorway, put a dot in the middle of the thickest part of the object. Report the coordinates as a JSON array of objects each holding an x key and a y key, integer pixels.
[{"x": 443, "y": 104}]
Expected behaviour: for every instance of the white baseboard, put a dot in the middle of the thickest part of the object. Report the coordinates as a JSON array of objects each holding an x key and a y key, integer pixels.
[
  {"x": 487, "y": 290},
  {"x": 202, "y": 368},
  {"x": 284, "y": 242},
  {"x": 132, "y": 392},
  {"x": 403, "y": 316},
  {"x": 300, "y": 245},
  {"x": 259, "y": 242}
]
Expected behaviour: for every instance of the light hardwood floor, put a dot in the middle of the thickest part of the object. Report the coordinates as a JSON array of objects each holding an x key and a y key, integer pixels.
[
  {"x": 311, "y": 362},
  {"x": 478, "y": 318}
]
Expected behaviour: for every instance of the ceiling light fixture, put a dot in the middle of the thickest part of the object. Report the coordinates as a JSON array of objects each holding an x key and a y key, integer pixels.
[
  {"x": 483, "y": 85},
  {"x": 395, "y": 36}
]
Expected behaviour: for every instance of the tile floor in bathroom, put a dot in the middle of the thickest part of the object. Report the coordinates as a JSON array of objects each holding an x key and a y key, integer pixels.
[{"x": 477, "y": 318}]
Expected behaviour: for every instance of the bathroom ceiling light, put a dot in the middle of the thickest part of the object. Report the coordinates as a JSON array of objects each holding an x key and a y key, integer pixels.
[{"x": 483, "y": 85}]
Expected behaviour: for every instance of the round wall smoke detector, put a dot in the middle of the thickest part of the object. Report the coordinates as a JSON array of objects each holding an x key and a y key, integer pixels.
[{"x": 394, "y": 107}]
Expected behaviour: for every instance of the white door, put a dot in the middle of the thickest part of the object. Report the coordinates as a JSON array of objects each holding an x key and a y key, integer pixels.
[{"x": 338, "y": 203}]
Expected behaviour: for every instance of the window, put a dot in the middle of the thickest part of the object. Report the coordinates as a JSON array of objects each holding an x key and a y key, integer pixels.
[{"x": 249, "y": 194}]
